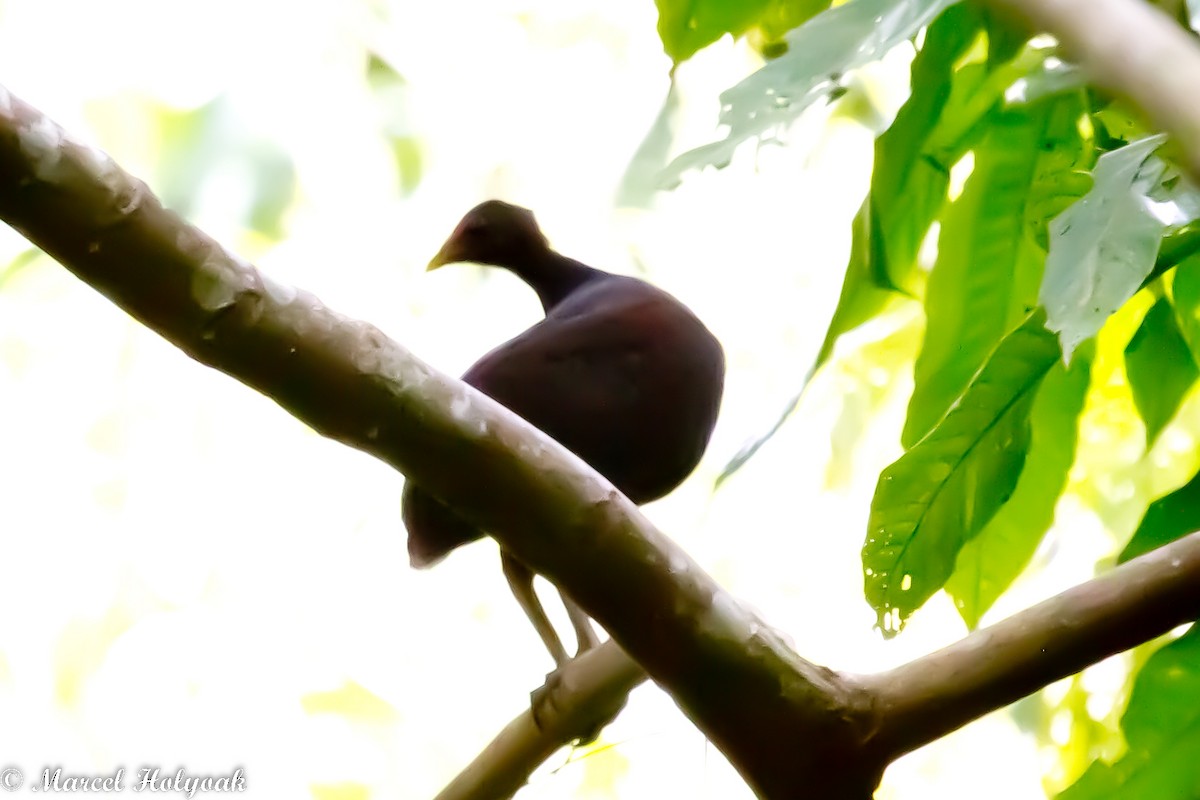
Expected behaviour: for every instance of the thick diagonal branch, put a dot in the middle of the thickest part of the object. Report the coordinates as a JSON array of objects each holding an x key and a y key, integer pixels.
[{"x": 730, "y": 673}]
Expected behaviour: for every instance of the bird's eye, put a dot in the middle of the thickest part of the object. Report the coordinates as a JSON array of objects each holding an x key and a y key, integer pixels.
[{"x": 474, "y": 228}]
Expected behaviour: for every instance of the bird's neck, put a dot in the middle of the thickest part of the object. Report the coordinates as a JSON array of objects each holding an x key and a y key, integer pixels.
[{"x": 553, "y": 276}]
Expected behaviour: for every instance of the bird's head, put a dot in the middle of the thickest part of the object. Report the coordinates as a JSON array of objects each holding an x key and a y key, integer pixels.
[{"x": 493, "y": 233}]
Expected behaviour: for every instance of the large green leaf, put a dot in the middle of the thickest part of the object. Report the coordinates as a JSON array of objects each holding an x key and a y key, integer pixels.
[
  {"x": 988, "y": 268},
  {"x": 901, "y": 175},
  {"x": 988, "y": 564},
  {"x": 819, "y": 52},
  {"x": 1162, "y": 733},
  {"x": 1160, "y": 368},
  {"x": 1169, "y": 517},
  {"x": 909, "y": 182},
  {"x": 942, "y": 492},
  {"x": 948, "y": 112},
  {"x": 1103, "y": 247},
  {"x": 686, "y": 26}
]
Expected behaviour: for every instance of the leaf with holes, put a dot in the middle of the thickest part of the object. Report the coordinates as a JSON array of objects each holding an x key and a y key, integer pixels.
[
  {"x": 819, "y": 53},
  {"x": 988, "y": 564},
  {"x": 1103, "y": 247},
  {"x": 942, "y": 492}
]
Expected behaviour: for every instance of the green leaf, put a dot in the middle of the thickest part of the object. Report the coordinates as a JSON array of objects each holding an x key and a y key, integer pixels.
[
  {"x": 1168, "y": 518},
  {"x": 1103, "y": 247},
  {"x": 1177, "y": 190},
  {"x": 1160, "y": 368},
  {"x": 862, "y": 296},
  {"x": 861, "y": 299},
  {"x": 1116, "y": 124},
  {"x": 782, "y": 16},
  {"x": 639, "y": 184},
  {"x": 986, "y": 277},
  {"x": 988, "y": 564},
  {"x": 1162, "y": 733},
  {"x": 203, "y": 144},
  {"x": 686, "y": 26},
  {"x": 819, "y": 53},
  {"x": 274, "y": 187},
  {"x": 1005, "y": 39},
  {"x": 1178, "y": 247},
  {"x": 1049, "y": 79},
  {"x": 1185, "y": 291},
  {"x": 1053, "y": 194},
  {"x": 944, "y": 490},
  {"x": 908, "y": 188},
  {"x": 21, "y": 262},
  {"x": 391, "y": 94},
  {"x": 409, "y": 158},
  {"x": 908, "y": 184}
]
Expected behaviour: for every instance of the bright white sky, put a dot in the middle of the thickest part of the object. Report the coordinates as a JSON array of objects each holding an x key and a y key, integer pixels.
[{"x": 194, "y": 579}]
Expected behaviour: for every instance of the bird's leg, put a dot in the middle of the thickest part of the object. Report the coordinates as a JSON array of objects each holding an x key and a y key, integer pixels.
[
  {"x": 585, "y": 634},
  {"x": 520, "y": 580}
]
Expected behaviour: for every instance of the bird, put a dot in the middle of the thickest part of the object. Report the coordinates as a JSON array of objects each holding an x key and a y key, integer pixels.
[{"x": 619, "y": 372}]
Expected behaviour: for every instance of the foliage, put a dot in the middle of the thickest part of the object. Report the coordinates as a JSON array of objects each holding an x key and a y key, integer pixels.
[
  {"x": 686, "y": 26},
  {"x": 818, "y": 54},
  {"x": 1068, "y": 212},
  {"x": 1162, "y": 734}
]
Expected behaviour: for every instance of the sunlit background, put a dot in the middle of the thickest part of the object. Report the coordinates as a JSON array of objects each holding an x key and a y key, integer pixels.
[{"x": 194, "y": 579}]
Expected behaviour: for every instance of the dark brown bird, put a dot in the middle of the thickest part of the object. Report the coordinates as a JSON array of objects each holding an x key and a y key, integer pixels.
[{"x": 619, "y": 372}]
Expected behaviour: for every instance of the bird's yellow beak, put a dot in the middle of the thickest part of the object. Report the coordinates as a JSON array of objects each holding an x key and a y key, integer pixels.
[{"x": 446, "y": 255}]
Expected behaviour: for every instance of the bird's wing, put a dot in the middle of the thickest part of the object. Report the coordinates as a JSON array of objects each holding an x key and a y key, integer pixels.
[
  {"x": 582, "y": 379},
  {"x": 571, "y": 378}
]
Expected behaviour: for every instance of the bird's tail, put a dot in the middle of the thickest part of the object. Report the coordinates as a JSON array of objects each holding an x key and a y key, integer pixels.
[{"x": 433, "y": 529}]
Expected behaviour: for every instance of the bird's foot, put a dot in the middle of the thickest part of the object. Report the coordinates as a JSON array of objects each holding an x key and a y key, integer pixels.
[
  {"x": 557, "y": 698},
  {"x": 542, "y": 700}
]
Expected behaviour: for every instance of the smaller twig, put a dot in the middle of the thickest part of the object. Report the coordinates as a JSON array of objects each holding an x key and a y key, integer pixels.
[
  {"x": 925, "y": 699},
  {"x": 581, "y": 696}
]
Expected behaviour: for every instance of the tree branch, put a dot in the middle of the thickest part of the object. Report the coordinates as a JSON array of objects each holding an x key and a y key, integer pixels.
[
  {"x": 587, "y": 689},
  {"x": 925, "y": 699},
  {"x": 1132, "y": 49},
  {"x": 351, "y": 383}
]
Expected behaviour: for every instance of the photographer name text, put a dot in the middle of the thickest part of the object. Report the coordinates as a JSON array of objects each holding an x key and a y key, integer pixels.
[{"x": 146, "y": 779}]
